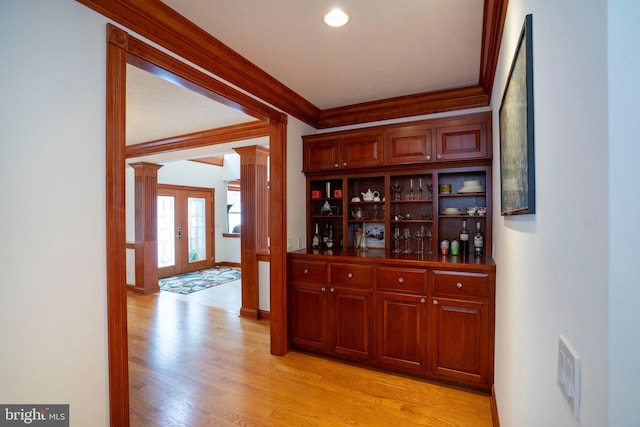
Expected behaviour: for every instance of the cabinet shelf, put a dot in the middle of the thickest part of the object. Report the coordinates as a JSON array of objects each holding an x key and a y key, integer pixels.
[{"x": 463, "y": 195}]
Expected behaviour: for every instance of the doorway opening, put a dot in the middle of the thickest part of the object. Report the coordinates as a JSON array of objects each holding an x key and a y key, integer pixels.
[{"x": 122, "y": 49}]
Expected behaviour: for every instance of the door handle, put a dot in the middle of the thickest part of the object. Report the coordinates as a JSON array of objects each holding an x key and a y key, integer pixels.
[{"x": 179, "y": 232}]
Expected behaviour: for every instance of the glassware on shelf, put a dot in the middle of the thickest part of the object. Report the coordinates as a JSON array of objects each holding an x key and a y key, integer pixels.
[
  {"x": 397, "y": 192},
  {"x": 419, "y": 236},
  {"x": 396, "y": 239},
  {"x": 406, "y": 234}
]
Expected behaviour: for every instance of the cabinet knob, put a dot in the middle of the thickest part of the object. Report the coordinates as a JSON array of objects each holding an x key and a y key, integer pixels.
[
  {"x": 459, "y": 285},
  {"x": 423, "y": 300},
  {"x": 344, "y": 164},
  {"x": 428, "y": 157},
  {"x": 332, "y": 289},
  {"x": 306, "y": 271},
  {"x": 439, "y": 156},
  {"x": 350, "y": 275},
  {"x": 336, "y": 165},
  {"x": 401, "y": 280},
  {"x": 435, "y": 302},
  {"x": 323, "y": 289}
]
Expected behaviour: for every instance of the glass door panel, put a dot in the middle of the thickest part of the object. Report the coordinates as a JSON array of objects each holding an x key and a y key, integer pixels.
[
  {"x": 166, "y": 231},
  {"x": 197, "y": 229}
]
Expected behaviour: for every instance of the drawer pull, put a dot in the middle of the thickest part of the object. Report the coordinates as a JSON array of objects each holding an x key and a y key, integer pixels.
[
  {"x": 306, "y": 271},
  {"x": 401, "y": 280},
  {"x": 332, "y": 289},
  {"x": 459, "y": 285},
  {"x": 423, "y": 300},
  {"x": 350, "y": 275},
  {"x": 435, "y": 302},
  {"x": 323, "y": 289}
]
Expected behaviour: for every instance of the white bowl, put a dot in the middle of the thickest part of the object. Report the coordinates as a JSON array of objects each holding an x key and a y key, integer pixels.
[{"x": 474, "y": 183}]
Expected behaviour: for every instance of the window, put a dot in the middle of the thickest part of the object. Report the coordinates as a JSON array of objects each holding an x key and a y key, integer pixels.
[{"x": 233, "y": 207}]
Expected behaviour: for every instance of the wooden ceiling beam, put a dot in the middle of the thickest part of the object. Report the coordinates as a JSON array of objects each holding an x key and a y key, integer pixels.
[{"x": 216, "y": 136}]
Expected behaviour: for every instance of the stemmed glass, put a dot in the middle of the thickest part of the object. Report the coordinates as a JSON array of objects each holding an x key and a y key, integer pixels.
[
  {"x": 396, "y": 239},
  {"x": 419, "y": 236},
  {"x": 407, "y": 239},
  {"x": 397, "y": 190}
]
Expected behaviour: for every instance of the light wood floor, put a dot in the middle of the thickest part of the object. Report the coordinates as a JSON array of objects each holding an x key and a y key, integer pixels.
[{"x": 195, "y": 365}]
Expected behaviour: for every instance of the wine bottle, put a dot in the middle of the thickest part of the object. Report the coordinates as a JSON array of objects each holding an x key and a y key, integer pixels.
[
  {"x": 478, "y": 240},
  {"x": 329, "y": 242},
  {"x": 315, "y": 241},
  {"x": 464, "y": 238}
]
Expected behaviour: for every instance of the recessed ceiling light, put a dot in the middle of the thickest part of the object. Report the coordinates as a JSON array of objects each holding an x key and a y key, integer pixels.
[{"x": 336, "y": 18}]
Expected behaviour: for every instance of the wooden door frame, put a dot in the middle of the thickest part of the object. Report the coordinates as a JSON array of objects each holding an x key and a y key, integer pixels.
[{"x": 122, "y": 49}]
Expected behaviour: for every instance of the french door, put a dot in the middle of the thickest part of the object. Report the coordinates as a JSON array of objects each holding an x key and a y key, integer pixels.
[{"x": 185, "y": 230}]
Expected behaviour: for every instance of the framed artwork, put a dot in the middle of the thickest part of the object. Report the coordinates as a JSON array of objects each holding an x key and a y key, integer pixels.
[{"x": 517, "y": 171}]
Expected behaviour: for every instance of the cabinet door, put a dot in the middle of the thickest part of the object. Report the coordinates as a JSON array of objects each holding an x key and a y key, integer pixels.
[
  {"x": 308, "y": 317},
  {"x": 321, "y": 155},
  {"x": 408, "y": 146},
  {"x": 351, "y": 322},
  {"x": 461, "y": 142},
  {"x": 459, "y": 340},
  {"x": 360, "y": 151},
  {"x": 401, "y": 330}
]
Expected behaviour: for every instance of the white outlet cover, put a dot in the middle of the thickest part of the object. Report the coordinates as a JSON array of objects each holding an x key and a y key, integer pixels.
[{"x": 569, "y": 374}]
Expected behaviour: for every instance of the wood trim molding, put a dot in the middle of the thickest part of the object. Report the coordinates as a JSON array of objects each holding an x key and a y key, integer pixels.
[
  {"x": 213, "y": 160},
  {"x": 157, "y": 22},
  {"x": 404, "y": 106},
  {"x": 495, "y": 13},
  {"x": 494, "y": 407},
  {"x": 232, "y": 235},
  {"x": 118, "y": 42},
  {"x": 200, "y": 139}
]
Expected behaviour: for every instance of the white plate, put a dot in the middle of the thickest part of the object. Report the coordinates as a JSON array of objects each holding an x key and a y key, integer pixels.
[{"x": 471, "y": 190}]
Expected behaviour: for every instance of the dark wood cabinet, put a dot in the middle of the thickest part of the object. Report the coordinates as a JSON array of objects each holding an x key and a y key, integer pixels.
[
  {"x": 461, "y": 327},
  {"x": 308, "y": 303},
  {"x": 452, "y": 139},
  {"x": 387, "y": 300},
  {"x": 462, "y": 141},
  {"x": 338, "y": 152},
  {"x": 431, "y": 317},
  {"x": 410, "y": 144},
  {"x": 351, "y": 309},
  {"x": 333, "y": 317}
]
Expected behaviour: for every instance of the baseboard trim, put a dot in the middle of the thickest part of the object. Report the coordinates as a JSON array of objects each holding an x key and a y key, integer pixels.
[
  {"x": 229, "y": 264},
  {"x": 264, "y": 315},
  {"x": 494, "y": 408}
]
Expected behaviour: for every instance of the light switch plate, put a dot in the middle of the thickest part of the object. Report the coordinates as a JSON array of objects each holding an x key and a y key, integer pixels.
[{"x": 569, "y": 374}]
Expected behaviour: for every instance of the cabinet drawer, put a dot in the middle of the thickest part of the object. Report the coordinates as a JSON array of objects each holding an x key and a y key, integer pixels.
[
  {"x": 308, "y": 271},
  {"x": 403, "y": 279},
  {"x": 457, "y": 283},
  {"x": 359, "y": 275}
]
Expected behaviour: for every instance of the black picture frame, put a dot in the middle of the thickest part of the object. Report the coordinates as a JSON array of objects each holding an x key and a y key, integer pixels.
[{"x": 517, "y": 165}]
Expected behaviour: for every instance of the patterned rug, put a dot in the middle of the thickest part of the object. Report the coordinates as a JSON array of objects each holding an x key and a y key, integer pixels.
[{"x": 199, "y": 280}]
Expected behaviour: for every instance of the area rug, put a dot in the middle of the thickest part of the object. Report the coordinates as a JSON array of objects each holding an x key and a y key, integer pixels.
[{"x": 199, "y": 280}]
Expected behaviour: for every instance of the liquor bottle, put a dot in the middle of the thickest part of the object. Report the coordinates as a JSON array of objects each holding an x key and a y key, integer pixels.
[
  {"x": 325, "y": 235},
  {"x": 478, "y": 240},
  {"x": 329, "y": 242},
  {"x": 315, "y": 241},
  {"x": 464, "y": 238}
]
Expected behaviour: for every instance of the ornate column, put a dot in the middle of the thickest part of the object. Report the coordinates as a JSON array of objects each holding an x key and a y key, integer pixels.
[
  {"x": 254, "y": 224},
  {"x": 146, "y": 224}
]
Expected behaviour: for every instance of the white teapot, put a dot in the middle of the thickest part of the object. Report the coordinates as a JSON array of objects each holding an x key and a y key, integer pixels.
[{"x": 369, "y": 196}]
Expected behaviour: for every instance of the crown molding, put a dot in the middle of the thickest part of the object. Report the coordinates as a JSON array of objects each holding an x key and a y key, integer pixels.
[{"x": 159, "y": 23}]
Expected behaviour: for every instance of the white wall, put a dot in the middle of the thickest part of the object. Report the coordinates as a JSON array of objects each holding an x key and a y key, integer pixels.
[
  {"x": 552, "y": 267},
  {"x": 624, "y": 203},
  {"x": 296, "y": 184},
  {"x": 52, "y": 185}
]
